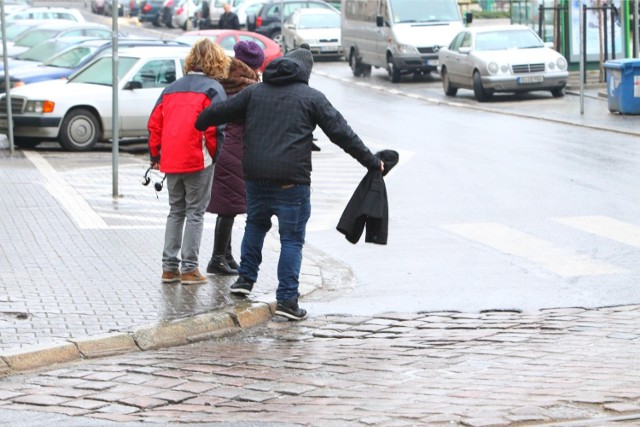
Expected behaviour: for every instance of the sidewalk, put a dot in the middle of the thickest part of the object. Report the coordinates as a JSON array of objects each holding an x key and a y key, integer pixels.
[{"x": 80, "y": 269}]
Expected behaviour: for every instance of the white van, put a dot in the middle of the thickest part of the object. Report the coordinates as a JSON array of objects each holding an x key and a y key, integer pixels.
[{"x": 403, "y": 36}]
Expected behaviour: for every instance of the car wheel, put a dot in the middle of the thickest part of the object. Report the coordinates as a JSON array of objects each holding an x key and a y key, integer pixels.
[
  {"x": 557, "y": 92},
  {"x": 394, "y": 72},
  {"x": 25, "y": 142},
  {"x": 449, "y": 90},
  {"x": 276, "y": 36},
  {"x": 479, "y": 91},
  {"x": 356, "y": 67},
  {"x": 156, "y": 21},
  {"x": 79, "y": 130}
]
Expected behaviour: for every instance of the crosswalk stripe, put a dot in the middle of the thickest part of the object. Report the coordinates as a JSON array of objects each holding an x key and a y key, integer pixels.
[
  {"x": 603, "y": 226},
  {"x": 558, "y": 260}
]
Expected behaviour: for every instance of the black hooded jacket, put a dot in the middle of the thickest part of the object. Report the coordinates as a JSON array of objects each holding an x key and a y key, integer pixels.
[
  {"x": 280, "y": 116},
  {"x": 368, "y": 207}
]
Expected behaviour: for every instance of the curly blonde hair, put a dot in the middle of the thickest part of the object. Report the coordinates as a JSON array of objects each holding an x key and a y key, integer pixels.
[{"x": 209, "y": 58}]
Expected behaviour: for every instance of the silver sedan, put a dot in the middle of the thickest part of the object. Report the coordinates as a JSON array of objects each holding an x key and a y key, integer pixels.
[{"x": 501, "y": 59}]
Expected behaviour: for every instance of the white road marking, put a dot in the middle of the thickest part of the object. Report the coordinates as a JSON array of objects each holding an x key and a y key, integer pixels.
[
  {"x": 76, "y": 206},
  {"x": 603, "y": 226},
  {"x": 558, "y": 260}
]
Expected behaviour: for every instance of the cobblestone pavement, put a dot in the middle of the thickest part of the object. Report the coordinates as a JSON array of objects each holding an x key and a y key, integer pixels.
[{"x": 553, "y": 367}]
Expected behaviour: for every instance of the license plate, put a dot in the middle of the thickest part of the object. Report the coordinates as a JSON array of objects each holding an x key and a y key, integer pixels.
[
  {"x": 530, "y": 79},
  {"x": 328, "y": 48},
  {"x": 432, "y": 62}
]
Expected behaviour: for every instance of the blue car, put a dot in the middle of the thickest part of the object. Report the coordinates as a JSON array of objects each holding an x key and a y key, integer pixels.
[{"x": 74, "y": 58}]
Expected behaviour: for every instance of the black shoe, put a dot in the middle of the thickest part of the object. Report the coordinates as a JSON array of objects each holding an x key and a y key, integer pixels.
[
  {"x": 229, "y": 258},
  {"x": 290, "y": 309},
  {"x": 241, "y": 286},
  {"x": 218, "y": 265}
]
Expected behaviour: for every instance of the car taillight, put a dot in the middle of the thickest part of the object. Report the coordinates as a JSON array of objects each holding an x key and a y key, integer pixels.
[
  {"x": 179, "y": 10},
  {"x": 259, "y": 21},
  {"x": 146, "y": 8}
]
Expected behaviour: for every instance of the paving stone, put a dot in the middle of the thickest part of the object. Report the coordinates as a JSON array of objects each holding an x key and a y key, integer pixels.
[{"x": 41, "y": 400}]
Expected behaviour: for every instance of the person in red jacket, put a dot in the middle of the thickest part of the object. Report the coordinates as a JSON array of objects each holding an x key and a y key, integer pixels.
[{"x": 187, "y": 156}]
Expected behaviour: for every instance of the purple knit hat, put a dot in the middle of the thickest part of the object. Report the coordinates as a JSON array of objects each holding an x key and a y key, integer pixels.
[{"x": 250, "y": 53}]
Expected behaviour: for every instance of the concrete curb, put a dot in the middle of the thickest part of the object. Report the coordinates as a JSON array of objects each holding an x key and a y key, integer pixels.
[{"x": 158, "y": 335}]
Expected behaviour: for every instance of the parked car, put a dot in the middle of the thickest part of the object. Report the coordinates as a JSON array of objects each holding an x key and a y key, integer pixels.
[
  {"x": 184, "y": 12},
  {"x": 97, "y": 6},
  {"x": 270, "y": 17},
  {"x": 16, "y": 28},
  {"x": 46, "y": 12},
  {"x": 166, "y": 13},
  {"x": 39, "y": 53},
  {"x": 247, "y": 7},
  {"x": 151, "y": 11},
  {"x": 501, "y": 59},
  {"x": 228, "y": 38},
  {"x": 72, "y": 59},
  {"x": 319, "y": 28},
  {"x": 56, "y": 30},
  {"x": 78, "y": 112},
  {"x": 125, "y": 8}
]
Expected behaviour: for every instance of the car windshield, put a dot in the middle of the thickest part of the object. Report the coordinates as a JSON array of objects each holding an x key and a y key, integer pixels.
[
  {"x": 319, "y": 21},
  {"x": 42, "y": 51},
  {"x": 510, "y": 39},
  {"x": 14, "y": 31},
  {"x": 99, "y": 73},
  {"x": 424, "y": 11},
  {"x": 32, "y": 38},
  {"x": 71, "y": 58}
]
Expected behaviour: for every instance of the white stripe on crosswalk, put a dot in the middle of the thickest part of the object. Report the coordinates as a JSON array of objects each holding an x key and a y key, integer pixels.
[
  {"x": 558, "y": 260},
  {"x": 603, "y": 226},
  {"x": 76, "y": 206}
]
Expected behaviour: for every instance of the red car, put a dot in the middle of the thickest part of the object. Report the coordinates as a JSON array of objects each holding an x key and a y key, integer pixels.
[{"x": 228, "y": 38}]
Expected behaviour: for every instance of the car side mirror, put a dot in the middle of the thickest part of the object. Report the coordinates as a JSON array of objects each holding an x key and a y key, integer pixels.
[
  {"x": 251, "y": 22},
  {"x": 133, "y": 85},
  {"x": 379, "y": 21},
  {"x": 468, "y": 17},
  {"x": 464, "y": 50}
]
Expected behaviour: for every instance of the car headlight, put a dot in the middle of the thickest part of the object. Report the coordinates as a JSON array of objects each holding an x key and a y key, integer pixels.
[
  {"x": 39, "y": 107},
  {"x": 406, "y": 48},
  {"x": 561, "y": 63},
  {"x": 493, "y": 68}
]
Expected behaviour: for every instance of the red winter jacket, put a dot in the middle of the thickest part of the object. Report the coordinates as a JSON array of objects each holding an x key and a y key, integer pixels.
[{"x": 174, "y": 142}]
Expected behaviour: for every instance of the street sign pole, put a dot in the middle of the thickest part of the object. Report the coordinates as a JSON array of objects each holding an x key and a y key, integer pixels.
[
  {"x": 7, "y": 83},
  {"x": 114, "y": 87}
]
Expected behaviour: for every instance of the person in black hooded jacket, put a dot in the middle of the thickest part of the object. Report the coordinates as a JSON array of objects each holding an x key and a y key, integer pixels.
[{"x": 280, "y": 115}]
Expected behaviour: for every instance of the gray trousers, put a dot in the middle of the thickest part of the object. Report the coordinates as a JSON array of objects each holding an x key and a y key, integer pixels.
[{"x": 189, "y": 195}]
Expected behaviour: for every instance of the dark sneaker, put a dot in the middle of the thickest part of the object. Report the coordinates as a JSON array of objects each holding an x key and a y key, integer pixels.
[
  {"x": 290, "y": 309},
  {"x": 241, "y": 286},
  {"x": 170, "y": 276},
  {"x": 193, "y": 278}
]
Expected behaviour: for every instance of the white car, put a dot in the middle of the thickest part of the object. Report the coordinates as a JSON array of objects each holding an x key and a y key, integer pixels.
[
  {"x": 184, "y": 12},
  {"x": 78, "y": 113},
  {"x": 319, "y": 28},
  {"x": 45, "y": 12},
  {"x": 511, "y": 58}
]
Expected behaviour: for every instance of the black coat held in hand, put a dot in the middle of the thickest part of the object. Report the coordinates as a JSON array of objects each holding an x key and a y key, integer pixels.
[{"x": 369, "y": 206}]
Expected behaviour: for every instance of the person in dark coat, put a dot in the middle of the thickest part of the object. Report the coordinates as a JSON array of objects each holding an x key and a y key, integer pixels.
[
  {"x": 280, "y": 116},
  {"x": 228, "y": 20},
  {"x": 368, "y": 208},
  {"x": 227, "y": 191}
]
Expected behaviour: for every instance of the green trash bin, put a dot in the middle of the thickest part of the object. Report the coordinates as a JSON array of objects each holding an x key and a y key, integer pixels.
[{"x": 623, "y": 85}]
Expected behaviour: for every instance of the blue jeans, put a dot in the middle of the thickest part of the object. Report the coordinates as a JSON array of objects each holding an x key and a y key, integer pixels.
[{"x": 292, "y": 207}]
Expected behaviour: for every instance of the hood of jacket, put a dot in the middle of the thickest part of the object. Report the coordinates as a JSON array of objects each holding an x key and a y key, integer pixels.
[
  {"x": 240, "y": 76},
  {"x": 283, "y": 71}
]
